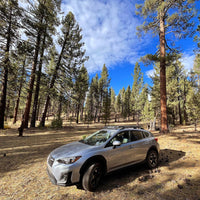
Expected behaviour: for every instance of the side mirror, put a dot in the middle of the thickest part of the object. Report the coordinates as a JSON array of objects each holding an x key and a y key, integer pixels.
[{"x": 116, "y": 143}]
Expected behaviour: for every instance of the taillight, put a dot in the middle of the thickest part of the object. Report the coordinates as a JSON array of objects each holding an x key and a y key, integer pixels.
[{"x": 156, "y": 139}]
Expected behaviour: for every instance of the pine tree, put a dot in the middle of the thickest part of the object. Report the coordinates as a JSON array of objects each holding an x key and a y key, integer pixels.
[
  {"x": 10, "y": 14},
  {"x": 22, "y": 58},
  {"x": 71, "y": 56},
  {"x": 106, "y": 107},
  {"x": 50, "y": 21},
  {"x": 155, "y": 97},
  {"x": 118, "y": 106},
  {"x": 95, "y": 96},
  {"x": 79, "y": 90},
  {"x": 127, "y": 102},
  {"x": 197, "y": 56},
  {"x": 136, "y": 90},
  {"x": 103, "y": 85},
  {"x": 193, "y": 105},
  {"x": 175, "y": 76},
  {"x": 162, "y": 17},
  {"x": 123, "y": 98},
  {"x": 35, "y": 29},
  {"x": 89, "y": 112}
]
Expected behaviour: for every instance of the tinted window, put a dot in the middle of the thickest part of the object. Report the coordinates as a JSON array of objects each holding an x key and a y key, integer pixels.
[
  {"x": 136, "y": 135},
  {"x": 145, "y": 134},
  {"x": 123, "y": 137}
]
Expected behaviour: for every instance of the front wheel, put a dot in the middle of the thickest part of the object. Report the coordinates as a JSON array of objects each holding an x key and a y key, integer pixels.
[
  {"x": 92, "y": 177},
  {"x": 152, "y": 159}
]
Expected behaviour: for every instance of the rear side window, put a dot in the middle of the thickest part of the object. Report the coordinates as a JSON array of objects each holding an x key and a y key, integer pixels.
[
  {"x": 136, "y": 135},
  {"x": 145, "y": 134}
]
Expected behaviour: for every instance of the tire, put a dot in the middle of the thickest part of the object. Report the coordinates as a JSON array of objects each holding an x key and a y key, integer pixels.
[
  {"x": 92, "y": 177},
  {"x": 152, "y": 159}
]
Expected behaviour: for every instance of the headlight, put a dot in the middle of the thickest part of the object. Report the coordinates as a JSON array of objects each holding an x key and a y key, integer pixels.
[{"x": 69, "y": 160}]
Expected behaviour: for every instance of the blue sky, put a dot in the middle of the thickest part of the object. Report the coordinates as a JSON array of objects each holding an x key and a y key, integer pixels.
[{"x": 109, "y": 33}]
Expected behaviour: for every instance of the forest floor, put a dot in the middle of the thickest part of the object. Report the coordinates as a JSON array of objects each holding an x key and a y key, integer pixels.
[{"x": 23, "y": 168}]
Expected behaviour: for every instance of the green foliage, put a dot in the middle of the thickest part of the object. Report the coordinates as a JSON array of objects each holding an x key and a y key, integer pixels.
[
  {"x": 57, "y": 123},
  {"x": 136, "y": 90},
  {"x": 106, "y": 109},
  {"x": 178, "y": 16}
]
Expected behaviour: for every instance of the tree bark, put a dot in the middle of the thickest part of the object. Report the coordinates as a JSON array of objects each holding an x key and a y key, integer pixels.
[
  {"x": 184, "y": 105},
  {"x": 5, "y": 74},
  {"x": 19, "y": 92},
  {"x": 37, "y": 89},
  {"x": 77, "y": 113},
  {"x": 25, "y": 119},
  {"x": 60, "y": 107},
  {"x": 163, "y": 98}
]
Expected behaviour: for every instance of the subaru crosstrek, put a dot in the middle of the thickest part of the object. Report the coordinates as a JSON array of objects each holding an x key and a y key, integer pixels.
[{"x": 85, "y": 162}]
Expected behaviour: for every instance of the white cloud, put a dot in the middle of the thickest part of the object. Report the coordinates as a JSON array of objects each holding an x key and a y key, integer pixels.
[
  {"x": 188, "y": 61},
  {"x": 150, "y": 73},
  {"x": 109, "y": 31}
]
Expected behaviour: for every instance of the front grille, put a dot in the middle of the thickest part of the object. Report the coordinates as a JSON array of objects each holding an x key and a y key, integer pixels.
[{"x": 50, "y": 161}]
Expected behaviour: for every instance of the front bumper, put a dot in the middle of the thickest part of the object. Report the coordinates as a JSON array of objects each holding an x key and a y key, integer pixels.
[
  {"x": 66, "y": 177},
  {"x": 63, "y": 175}
]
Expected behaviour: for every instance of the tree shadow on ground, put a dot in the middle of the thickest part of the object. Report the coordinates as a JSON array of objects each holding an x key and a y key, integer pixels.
[
  {"x": 34, "y": 147},
  {"x": 129, "y": 174}
]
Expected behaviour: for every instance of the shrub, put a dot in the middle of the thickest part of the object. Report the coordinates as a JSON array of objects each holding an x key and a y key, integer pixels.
[{"x": 57, "y": 123}]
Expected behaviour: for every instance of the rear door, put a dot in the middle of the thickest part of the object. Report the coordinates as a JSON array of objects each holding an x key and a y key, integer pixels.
[{"x": 139, "y": 145}]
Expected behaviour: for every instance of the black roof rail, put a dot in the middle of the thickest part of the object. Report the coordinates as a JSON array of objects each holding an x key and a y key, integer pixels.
[
  {"x": 113, "y": 127},
  {"x": 123, "y": 127}
]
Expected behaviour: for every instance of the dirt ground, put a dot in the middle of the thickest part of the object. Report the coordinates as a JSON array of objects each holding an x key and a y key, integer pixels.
[{"x": 23, "y": 168}]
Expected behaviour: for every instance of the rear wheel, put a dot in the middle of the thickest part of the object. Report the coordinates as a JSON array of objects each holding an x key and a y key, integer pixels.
[
  {"x": 152, "y": 159},
  {"x": 92, "y": 177}
]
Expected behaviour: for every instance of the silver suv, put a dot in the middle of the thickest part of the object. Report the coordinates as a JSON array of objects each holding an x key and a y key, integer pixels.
[{"x": 85, "y": 162}]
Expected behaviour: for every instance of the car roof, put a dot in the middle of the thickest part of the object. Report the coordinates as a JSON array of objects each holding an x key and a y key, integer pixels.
[{"x": 122, "y": 127}]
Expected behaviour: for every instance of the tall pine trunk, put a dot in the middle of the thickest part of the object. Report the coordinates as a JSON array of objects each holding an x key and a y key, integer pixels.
[
  {"x": 184, "y": 105},
  {"x": 77, "y": 112},
  {"x": 3, "y": 96},
  {"x": 6, "y": 64},
  {"x": 163, "y": 98},
  {"x": 24, "y": 123},
  {"x": 19, "y": 92},
  {"x": 42, "y": 122},
  {"x": 37, "y": 89}
]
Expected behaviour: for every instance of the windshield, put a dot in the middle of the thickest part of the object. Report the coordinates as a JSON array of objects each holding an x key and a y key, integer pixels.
[{"x": 99, "y": 137}]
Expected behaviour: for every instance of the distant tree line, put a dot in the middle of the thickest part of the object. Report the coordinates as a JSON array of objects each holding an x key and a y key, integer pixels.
[{"x": 42, "y": 72}]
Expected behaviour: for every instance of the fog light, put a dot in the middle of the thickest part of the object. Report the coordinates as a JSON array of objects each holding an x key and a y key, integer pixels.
[{"x": 64, "y": 177}]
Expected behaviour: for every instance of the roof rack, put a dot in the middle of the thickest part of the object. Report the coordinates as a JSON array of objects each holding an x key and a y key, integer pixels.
[
  {"x": 122, "y": 127},
  {"x": 135, "y": 127},
  {"x": 113, "y": 127}
]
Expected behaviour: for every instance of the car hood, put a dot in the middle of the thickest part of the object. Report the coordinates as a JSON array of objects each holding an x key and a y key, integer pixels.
[{"x": 71, "y": 149}]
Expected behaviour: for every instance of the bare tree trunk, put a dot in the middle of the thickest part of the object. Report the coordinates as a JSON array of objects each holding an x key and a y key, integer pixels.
[
  {"x": 24, "y": 123},
  {"x": 77, "y": 113},
  {"x": 163, "y": 98},
  {"x": 19, "y": 92},
  {"x": 60, "y": 107},
  {"x": 7, "y": 110},
  {"x": 5, "y": 74},
  {"x": 184, "y": 105},
  {"x": 37, "y": 89},
  {"x": 3, "y": 95},
  {"x": 179, "y": 111}
]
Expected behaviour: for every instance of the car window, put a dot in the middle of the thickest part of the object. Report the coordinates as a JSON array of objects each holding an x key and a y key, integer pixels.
[
  {"x": 99, "y": 137},
  {"x": 145, "y": 134},
  {"x": 123, "y": 137},
  {"x": 136, "y": 135}
]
